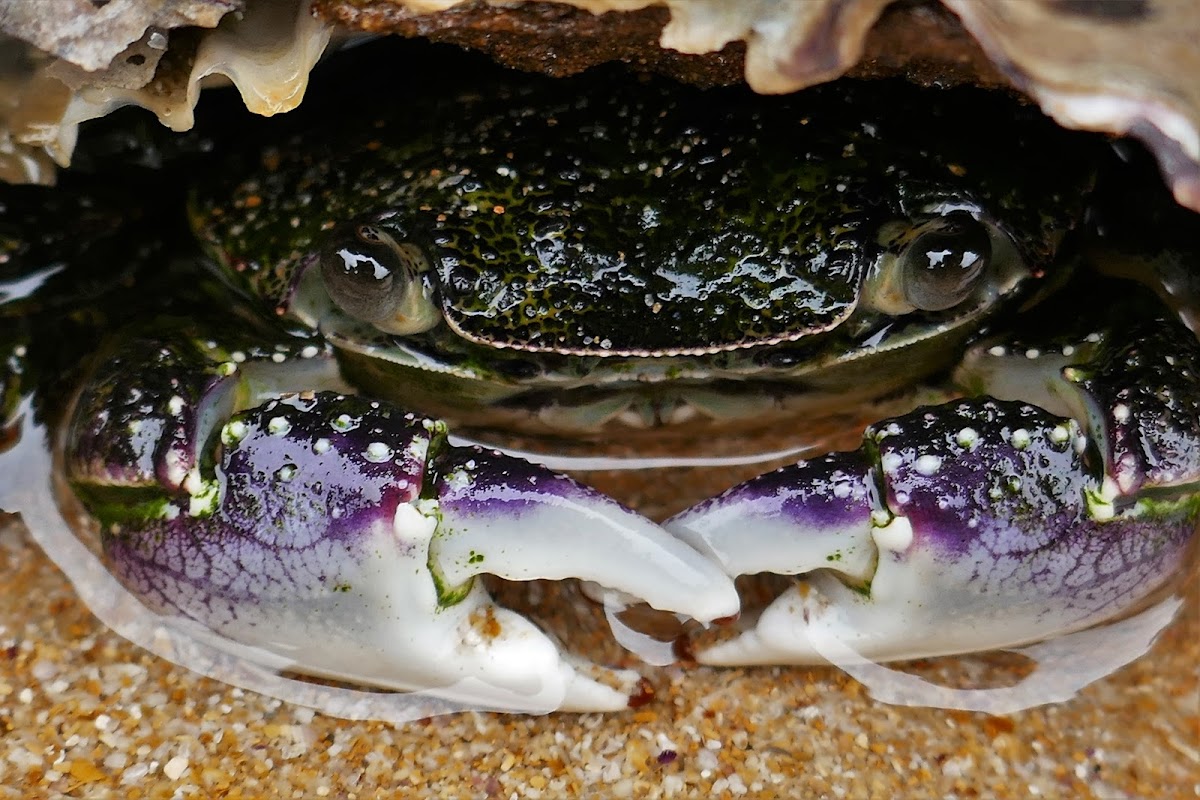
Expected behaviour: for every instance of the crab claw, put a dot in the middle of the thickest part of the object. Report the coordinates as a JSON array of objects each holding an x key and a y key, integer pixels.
[
  {"x": 988, "y": 522},
  {"x": 970, "y": 526},
  {"x": 341, "y": 538}
]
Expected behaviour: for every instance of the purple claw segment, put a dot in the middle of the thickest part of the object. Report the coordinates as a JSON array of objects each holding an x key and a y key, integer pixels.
[
  {"x": 283, "y": 544},
  {"x": 812, "y": 515},
  {"x": 1012, "y": 528},
  {"x": 1143, "y": 401},
  {"x": 341, "y": 537},
  {"x": 330, "y": 535},
  {"x": 1133, "y": 384},
  {"x": 520, "y": 521},
  {"x": 147, "y": 432},
  {"x": 993, "y": 531}
]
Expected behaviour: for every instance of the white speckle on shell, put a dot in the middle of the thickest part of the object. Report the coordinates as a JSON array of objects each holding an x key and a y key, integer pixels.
[
  {"x": 967, "y": 438},
  {"x": 1019, "y": 439},
  {"x": 279, "y": 426},
  {"x": 459, "y": 480},
  {"x": 193, "y": 483},
  {"x": 233, "y": 432},
  {"x": 1100, "y": 503},
  {"x": 321, "y": 446},
  {"x": 928, "y": 465},
  {"x": 378, "y": 452}
]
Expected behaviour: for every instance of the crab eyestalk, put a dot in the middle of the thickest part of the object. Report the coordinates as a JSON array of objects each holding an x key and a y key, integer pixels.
[
  {"x": 344, "y": 536},
  {"x": 981, "y": 523}
]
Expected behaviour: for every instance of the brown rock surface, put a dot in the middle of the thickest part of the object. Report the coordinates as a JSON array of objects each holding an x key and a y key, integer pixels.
[{"x": 923, "y": 42}]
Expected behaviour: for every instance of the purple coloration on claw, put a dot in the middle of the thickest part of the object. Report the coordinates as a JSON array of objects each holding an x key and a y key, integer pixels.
[
  {"x": 318, "y": 468},
  {"x": 813, "y": 515},
  {"x": 1008, "y": 514},
  {"x": 1145, "y": 395},
  {"x": 513, "y": 486},
  {"x": 1009, "y": 474},
  {"x": 991, "y": 529},
  {"x": 993, "y": 522},
  {"x": 339, "y": 537},
  {"x": 295, "y": 509}
]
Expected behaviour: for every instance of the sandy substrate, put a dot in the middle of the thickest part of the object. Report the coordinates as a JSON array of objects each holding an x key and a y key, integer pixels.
[{"x": 85, "y": 714}]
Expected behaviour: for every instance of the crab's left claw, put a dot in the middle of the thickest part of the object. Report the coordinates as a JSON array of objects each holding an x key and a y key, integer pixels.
[{"x": 977, "y": 524}]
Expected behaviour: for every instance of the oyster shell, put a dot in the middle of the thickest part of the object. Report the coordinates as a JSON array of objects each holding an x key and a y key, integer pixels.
[{"x": 1121, "y": 66}]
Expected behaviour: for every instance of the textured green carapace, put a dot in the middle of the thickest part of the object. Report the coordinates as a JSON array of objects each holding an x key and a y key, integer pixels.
[{"x": 579, "y": 231}]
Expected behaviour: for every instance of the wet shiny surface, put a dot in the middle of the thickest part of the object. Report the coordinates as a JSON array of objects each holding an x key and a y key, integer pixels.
[{"x": 784, "y": 729}]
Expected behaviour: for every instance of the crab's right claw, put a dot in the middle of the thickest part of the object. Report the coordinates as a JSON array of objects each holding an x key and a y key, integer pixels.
[
  {"x": 339, "y": 537},
  {"x": 965, "y": 527}
]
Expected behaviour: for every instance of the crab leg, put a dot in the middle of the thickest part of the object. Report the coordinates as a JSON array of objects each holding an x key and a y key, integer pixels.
[
  {"x": 980, "y": 523},
  {"x": 341, "y": 537}
]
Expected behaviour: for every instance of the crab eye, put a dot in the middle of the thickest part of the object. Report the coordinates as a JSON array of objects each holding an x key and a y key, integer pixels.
[
  {"x": 945, "y": 261},
  {"x": 374, "y": 278}
]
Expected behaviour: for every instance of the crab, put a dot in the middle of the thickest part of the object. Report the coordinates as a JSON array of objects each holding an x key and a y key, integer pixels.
[{"x": 280, "y": 477}]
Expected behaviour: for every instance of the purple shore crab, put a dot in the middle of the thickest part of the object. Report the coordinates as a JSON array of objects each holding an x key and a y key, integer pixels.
[{"x": 609, "y": 259}]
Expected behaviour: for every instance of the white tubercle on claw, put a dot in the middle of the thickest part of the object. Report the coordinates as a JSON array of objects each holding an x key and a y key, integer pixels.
[
  {"x": 896, "y": 536},
  {"x": 413, "y": 526}
]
